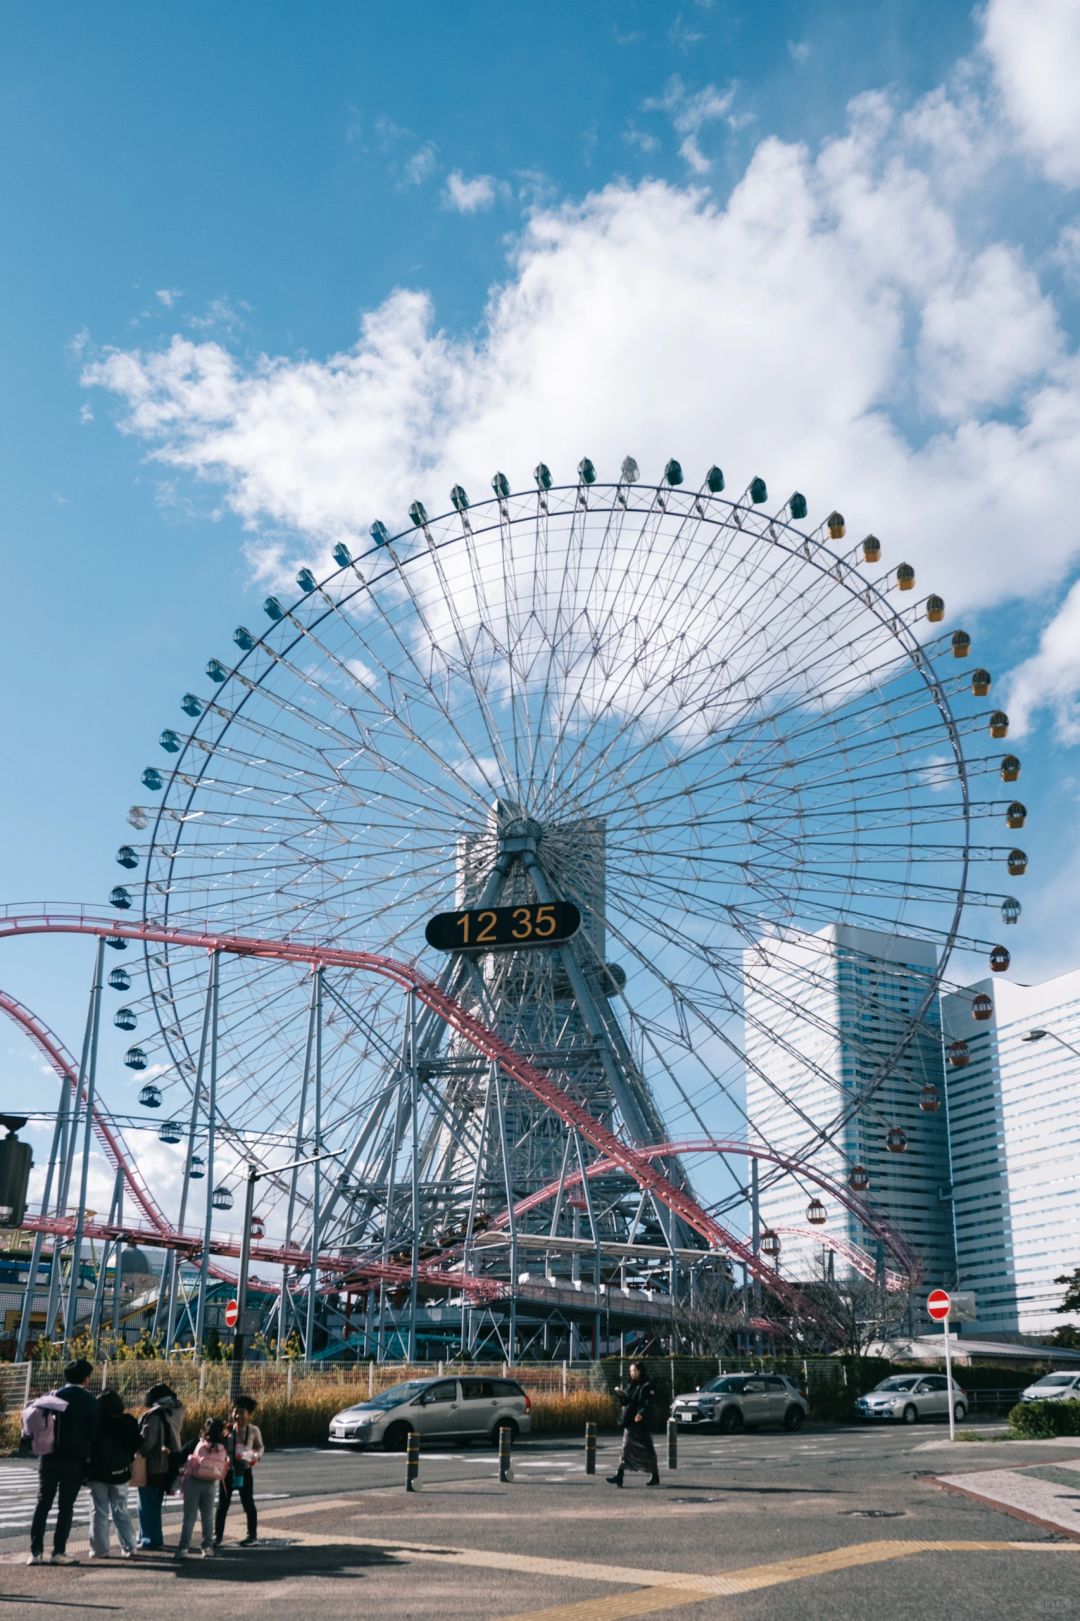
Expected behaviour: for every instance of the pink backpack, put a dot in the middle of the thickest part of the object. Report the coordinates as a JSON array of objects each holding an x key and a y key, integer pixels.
[
  {"x": 208, "y": 1462},
  {"x": 39, "y": 1423}
]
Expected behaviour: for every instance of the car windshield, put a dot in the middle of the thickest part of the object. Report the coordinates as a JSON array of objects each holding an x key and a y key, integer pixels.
[
  {"x": 907, "y": 1382},
  {"x": 732, "y": 1386},
  {"x": 396, "y": 1394},
  {"x": 1058, "y": 1379}
]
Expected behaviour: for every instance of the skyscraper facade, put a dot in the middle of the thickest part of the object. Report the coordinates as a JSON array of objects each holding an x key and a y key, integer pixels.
[
  {"x": 822, "y": 1013},
  {"x": 1014, "y": 1127}
]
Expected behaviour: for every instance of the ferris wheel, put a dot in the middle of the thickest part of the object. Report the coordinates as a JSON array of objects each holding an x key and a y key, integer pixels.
[{"x": 716, "y": 731}]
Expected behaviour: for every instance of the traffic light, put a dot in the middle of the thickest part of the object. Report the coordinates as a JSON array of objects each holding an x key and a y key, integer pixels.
[{"x": 16, "y": 1161}]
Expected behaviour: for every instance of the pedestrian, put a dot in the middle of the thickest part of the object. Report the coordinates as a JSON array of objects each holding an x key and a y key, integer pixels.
[
  {"x": 244, "y": 1444},
  {"x": 63, "y": 1467},
  {"x": 206, "y": 1469},
  {"x": 638, "y": 1448},
  {"x": 159, "y": 1443},
  {"x": 110, "y": 1470}
]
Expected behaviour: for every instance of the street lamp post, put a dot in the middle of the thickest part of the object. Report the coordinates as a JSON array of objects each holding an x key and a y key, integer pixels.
[
  {"x": 1042, "y": 1035},
  {"x": 240, "y": 1331}
]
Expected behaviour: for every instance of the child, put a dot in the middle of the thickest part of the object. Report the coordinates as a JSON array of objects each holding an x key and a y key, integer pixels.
[
  {"x": 244, "y": 1443},
  {"x": 109, "y": 1472},
  {"x": 205, "y": 1470}
]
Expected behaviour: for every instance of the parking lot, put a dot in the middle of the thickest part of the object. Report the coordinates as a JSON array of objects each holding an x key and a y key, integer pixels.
[{"x": 762, "y": 1524}]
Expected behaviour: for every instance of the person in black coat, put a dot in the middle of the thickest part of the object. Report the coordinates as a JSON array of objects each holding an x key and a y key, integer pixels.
[
  {"x": 109, "y": 1473},
  {"x": 638, "y": 1450},
  {"x": 64, "y": 1469}
]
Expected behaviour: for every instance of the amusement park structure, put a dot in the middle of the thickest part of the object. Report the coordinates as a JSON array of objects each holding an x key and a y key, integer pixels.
[{"x": 446, "y": 899}]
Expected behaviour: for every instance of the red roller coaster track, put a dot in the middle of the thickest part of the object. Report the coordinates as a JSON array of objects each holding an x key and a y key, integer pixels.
[{"x": 622, "y": 1156}]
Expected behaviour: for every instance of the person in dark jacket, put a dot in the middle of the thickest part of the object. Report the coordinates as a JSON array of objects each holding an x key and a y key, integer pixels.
[
  {"x": 64, "y": 1469},
  {"x": 160, "y": 1444},
  {"x": 109, "y": 1473},
  {"x": 638, "y": 1449}
]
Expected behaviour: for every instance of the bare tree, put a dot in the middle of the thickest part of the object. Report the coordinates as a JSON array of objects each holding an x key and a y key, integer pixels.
[{"x": 709, "y": 1315}]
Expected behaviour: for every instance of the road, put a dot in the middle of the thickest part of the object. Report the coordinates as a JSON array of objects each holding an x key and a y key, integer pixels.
[{"x": 837, "y": 1523}]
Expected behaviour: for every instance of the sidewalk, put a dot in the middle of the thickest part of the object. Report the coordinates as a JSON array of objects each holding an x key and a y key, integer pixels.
[{"x": 1045, "y": 1494}]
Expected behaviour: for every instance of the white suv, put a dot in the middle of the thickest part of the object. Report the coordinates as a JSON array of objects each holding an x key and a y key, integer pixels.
[
  {"x": 467, "y": 1408},
  {"x": 736, "y": 1399}
]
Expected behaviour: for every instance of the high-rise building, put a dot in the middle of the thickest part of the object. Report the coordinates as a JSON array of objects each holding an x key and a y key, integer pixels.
[
  {"x": 1014, "y": 1127},
  {"x": 822, "y": 1014}
]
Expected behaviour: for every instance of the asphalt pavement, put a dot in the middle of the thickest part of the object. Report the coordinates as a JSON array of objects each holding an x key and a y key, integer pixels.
[{"x": 841, "y": 1523}]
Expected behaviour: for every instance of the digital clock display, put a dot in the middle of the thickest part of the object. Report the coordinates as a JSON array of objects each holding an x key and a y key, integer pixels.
[{"x": 504, "y": 928}]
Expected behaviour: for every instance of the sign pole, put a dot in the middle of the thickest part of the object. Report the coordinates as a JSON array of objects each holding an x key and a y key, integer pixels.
[{"x": 948, "y": 1378}]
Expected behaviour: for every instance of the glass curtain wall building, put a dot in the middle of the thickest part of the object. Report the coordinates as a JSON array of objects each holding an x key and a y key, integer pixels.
[
  {"x": 820, "y": 1014},
  {"x": 1014, "y": 1127}
]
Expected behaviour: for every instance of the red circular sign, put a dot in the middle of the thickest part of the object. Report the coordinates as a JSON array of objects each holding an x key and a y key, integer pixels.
[
  {"x": 232, "y": 1312},
  {"x": 938, "y": 1304}
]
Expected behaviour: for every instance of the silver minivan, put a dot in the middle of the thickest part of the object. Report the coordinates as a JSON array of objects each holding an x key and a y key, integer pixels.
[{"x": 466, "y": 1408}]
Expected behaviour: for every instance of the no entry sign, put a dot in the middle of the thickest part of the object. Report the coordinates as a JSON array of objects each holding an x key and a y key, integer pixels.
[
  {"x": 232, "y": 1312},
  {"x": 937, "y": 1304}
]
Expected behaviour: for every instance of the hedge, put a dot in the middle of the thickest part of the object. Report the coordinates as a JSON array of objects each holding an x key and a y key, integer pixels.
[{"x": 1040, "y": 1420}]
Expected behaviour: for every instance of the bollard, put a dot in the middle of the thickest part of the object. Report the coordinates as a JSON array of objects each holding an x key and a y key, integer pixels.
[
  {"x": 506, "y": 1436},
  {"x": 412, "y": 1461},
  {"x": 672, "y": 1444},
  {"x": 590, "y": 1449}
]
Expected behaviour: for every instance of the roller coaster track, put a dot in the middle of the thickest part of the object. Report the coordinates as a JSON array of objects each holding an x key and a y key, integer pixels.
[{"x": 20, "y": 920}]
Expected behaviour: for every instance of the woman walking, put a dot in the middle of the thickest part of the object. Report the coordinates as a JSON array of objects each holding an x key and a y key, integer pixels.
[
  {"x": 205, "y": 1471},
  {"x": 109, "y": 1472},
  {"x": 244, "y": 1444},
  {"x": 638, "y": 1450},
  {"x": 160, "y": 1441}
]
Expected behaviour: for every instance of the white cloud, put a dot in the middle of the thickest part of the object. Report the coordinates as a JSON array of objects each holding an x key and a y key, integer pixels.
[
  {"x": 798, "y": 50},
  {"x": 1034, "y": 48},
  {"x": 985, "y": 335},
  {"x": 690, "y": 112},
  {"x": 1050, "y": 679},
  {"x": 167, "y": 296},
  {"x": 775, "y": 334},
  {"x": 421, "y": 165},
  {"x": 469, "y": 196}
]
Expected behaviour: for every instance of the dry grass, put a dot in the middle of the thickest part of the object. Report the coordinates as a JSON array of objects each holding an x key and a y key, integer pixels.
[{"x": 305, "y": 1420}]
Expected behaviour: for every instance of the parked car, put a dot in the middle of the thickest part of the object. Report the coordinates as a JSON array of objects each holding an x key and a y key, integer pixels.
[
  {"x": 464, "y": 1409},
  {"x": 1053, "y": 1387},
  {"x": 909, "y": 1397},
  {"x": 733, "y": 1400}
]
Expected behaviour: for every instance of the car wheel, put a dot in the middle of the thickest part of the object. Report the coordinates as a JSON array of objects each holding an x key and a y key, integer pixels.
[
  {"x": 396, "y": 1437},
  {"x": 731, "y": 1421},
  {"x": 959, "y": 1412},
  {"x": 504, "y": 1423},
  {"x": 793, "y": 1418},
  {"x": 910, "y": 1415}
]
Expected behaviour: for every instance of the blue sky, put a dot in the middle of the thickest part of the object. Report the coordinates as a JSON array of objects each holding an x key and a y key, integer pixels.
[{"x": 406, "y": 239}]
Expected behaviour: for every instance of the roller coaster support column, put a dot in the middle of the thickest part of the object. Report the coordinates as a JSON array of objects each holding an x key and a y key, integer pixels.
[
  {"x": 68, "y": 1137},
  {"x": 193, "y": 1126},
  {"x": 286, "y": 1307},
  {"x": 240, "y": 1333},
  {"x": 88, "y": 1085},
  {"x": 501, "y": 1121},
  {"x": 316, "y": 1204},
  {"x": 113, "y": 1244},
  {"x": 117, "y": 1278},
  {"x": 755, "y": 1237},
  {"x": 414, "y": 1170},
  {"x": 211, "y": 1131}
]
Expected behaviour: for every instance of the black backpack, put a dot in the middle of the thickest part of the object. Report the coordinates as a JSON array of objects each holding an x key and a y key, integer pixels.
[{"x": 115, "y": 1449}]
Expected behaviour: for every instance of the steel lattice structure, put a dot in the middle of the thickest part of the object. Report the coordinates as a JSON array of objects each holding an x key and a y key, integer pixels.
[{"x": 712, "y": 729}]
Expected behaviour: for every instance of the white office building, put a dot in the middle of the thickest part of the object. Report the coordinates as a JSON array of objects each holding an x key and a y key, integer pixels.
[
  {"x": 1014, "y": 1126},
  {"x": 822, "y": 1013}
]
